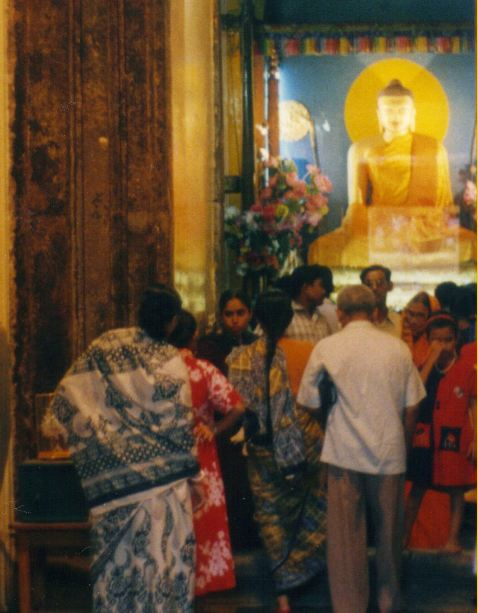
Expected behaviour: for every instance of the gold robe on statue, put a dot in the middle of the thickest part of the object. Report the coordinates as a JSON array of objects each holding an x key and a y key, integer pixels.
[{"x": 400, "y": 197}]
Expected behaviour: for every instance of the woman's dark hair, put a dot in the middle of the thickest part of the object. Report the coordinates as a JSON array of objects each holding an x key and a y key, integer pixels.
[
  {"x": 442, "y": 319},
  {"x": 284, "y": 284},
  {"x": 230, "y": 294},
  {"x": 158, "y": 305},
  {"x": 444, "y": 293},
  {"x": 422, "y": 298},
  {"x": 183, "y": 333},
  {"x": 463, "y": 304},
  {"x": 274, "y": 313}
]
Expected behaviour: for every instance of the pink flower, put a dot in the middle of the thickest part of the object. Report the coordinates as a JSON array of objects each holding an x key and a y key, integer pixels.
[
  {"x": 323, "y": 183},
  {"x": 314, "y": 218},
  {"x": 256, "y": 207},
  {"x": 300, "y": 189},
  {"x": 312, "y": 169},
  {"x": 316, "y": 201},
  {"x": 291, "y": 178}
]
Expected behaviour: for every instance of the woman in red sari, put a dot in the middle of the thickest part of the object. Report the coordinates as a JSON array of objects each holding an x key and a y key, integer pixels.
[{"x": 211, "y": 393}]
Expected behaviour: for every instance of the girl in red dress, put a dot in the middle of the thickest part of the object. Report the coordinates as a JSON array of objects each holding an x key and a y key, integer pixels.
[
  {"x": 211, "y": 393},
  {"x": 444, "y": 452}
]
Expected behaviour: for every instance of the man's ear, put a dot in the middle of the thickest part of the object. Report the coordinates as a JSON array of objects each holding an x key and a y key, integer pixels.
[{"x": 342, "y": 317}]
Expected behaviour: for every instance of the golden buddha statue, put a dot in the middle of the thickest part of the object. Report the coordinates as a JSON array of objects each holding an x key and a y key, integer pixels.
[{"x": 399, "y": 193}]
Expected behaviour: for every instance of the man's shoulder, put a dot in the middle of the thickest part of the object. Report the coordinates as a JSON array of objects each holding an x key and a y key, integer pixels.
[
  {"x": 374, "y": 335},
  {"x": 392, "y": 345}
]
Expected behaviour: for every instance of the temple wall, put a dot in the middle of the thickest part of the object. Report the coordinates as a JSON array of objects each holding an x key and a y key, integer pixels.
[
  {"x": 91, "y": 168},
  {"x": 90, "y": 204}
]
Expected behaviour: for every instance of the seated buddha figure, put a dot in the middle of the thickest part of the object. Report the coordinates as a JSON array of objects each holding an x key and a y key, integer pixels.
[{"x": 388, "y": 174}]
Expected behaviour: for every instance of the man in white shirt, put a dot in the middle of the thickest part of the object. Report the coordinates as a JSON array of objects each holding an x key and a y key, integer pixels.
[
  {"x": 368, "y": 429},
  {"x": 309, "y": 286},
  {"x": 379, "y": 279}
]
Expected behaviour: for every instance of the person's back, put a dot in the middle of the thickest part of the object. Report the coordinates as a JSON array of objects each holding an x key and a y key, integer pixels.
[
  {"x": 117, "y": 374},
  {"x": 124, "y": 408},
  {"x": 281, "y": 442},
  {"x": 370, "y": 369},
  {"x": 378, "y": 388}
]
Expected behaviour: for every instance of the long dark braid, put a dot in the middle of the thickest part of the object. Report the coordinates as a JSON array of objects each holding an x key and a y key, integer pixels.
[{"x": 274, "y": 313}]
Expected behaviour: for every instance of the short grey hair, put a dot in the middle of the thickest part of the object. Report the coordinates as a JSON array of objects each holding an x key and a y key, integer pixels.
[{"x": 356, "y": 299}]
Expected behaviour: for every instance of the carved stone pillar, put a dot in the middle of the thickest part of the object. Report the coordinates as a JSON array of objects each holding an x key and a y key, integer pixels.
[{"x": 91, "y": 169}]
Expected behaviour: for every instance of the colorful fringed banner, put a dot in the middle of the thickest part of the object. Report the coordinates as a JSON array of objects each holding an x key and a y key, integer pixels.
[{"x": 287, "y": 43}]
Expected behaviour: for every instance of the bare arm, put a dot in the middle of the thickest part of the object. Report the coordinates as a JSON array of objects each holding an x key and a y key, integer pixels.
[
  {"x": 227, "y": 423},
  {"x": 433, "y": 354}
]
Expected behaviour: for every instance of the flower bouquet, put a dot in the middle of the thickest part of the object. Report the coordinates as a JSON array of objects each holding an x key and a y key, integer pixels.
[{"x": 285, "y": 218}]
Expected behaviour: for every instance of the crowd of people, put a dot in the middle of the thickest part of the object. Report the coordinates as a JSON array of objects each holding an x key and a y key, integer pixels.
[{"x": 293, "y": 424}]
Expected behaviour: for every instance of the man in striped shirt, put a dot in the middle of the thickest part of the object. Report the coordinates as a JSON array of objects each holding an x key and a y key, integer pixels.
[{"x": 309, "y": 286}]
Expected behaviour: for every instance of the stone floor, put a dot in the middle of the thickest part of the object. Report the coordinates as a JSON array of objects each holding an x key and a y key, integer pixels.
[{"x": 432, "y": 582}]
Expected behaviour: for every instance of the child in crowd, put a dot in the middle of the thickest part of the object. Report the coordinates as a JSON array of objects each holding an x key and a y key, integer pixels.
[
  {"x": 232, "y": 331},
  {"x": 443, "y": 455}
]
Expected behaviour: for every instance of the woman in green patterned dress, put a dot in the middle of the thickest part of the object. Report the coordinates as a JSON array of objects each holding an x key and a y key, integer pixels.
[{"x": 283, "y": 448}]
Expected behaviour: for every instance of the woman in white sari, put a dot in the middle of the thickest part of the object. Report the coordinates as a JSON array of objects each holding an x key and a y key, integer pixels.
[{"x": 124, "y": 409}]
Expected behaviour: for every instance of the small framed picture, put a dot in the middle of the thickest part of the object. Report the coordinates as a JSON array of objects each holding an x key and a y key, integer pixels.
[{"x": 50, "y": 445}]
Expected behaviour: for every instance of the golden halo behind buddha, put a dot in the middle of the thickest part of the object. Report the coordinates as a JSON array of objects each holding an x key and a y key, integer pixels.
[{"x": 431, "y": 103}]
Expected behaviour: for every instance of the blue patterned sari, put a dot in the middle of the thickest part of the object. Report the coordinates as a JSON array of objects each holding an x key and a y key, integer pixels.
[{"x": 124, "y": 410}]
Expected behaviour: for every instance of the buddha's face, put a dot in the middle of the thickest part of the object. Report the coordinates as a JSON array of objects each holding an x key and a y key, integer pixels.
[{"x": 396, "y": 115}]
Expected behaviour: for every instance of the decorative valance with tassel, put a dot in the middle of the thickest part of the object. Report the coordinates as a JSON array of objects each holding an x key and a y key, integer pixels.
[{"x": 325, "y": 40}]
